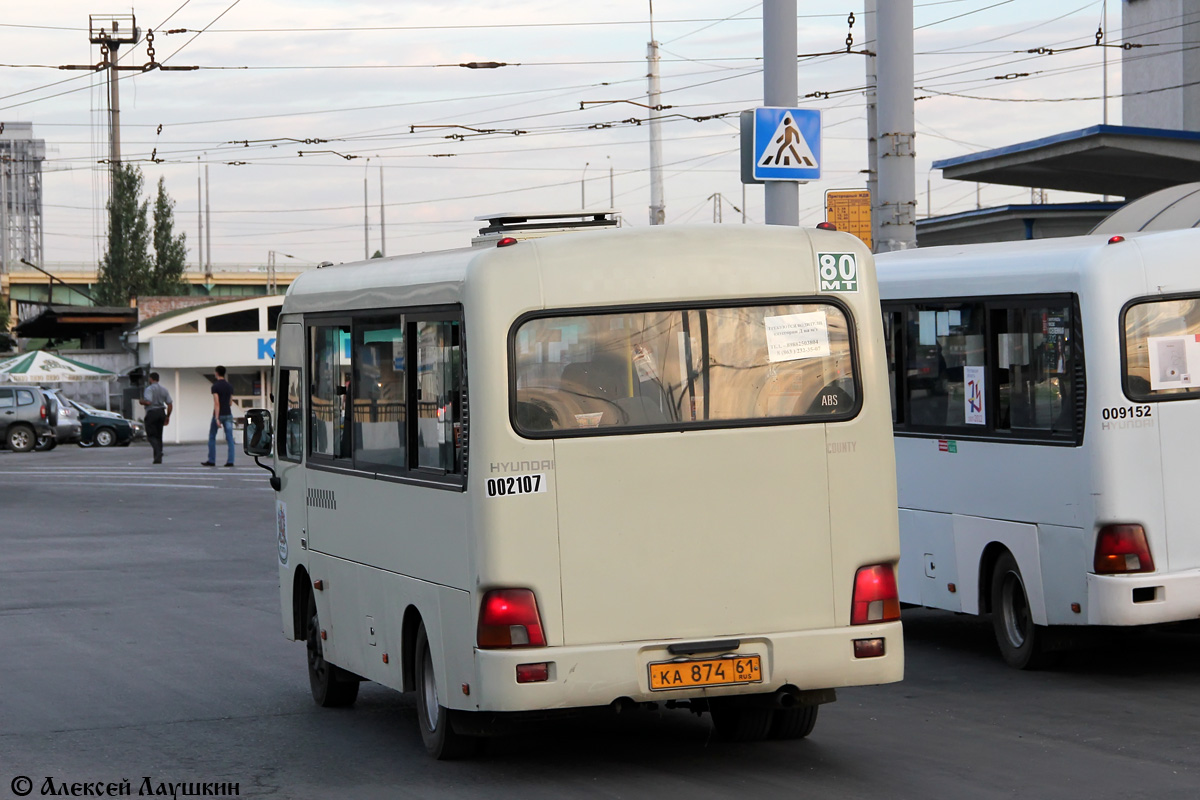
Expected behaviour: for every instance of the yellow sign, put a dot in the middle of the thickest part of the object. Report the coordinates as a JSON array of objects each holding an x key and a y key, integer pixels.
[{"x": 850, "y": 211}]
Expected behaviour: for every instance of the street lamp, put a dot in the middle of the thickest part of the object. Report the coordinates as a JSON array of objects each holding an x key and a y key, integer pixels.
[{"x": 582, "y": 191}]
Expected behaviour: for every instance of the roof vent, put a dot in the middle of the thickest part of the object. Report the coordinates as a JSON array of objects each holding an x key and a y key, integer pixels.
[{"x": 535, "y": 226}]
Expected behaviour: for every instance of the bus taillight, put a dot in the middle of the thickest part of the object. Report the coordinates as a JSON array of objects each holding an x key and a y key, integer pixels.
[
  {"x": 1122, "y": 549},
  {"x": 509, "y": 618},
  {"x": 875, "y": 596}
]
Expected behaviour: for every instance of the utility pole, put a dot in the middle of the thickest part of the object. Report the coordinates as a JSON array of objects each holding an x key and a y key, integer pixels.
[
  {"x": 366, "y": 223},
  {"x": 208, "y": 275},
  {"x": 897, "y": 158},
  {"x": 110, "y": 31},
  {"x": 779, "y": 89},
  {"x": 658, "y": 208},
  {"x": 872, "y": 45},
  {"x": 199, "y": 218},
  {"x": 382, "y": 227}
]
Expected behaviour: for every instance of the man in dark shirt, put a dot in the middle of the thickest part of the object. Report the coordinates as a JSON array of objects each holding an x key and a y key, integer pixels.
[{"x": 222, "y": 392}]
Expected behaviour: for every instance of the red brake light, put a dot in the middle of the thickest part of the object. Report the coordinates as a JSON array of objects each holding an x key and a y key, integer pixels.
[
  {"x": 1122, "y": 549},
  {"x": 43, "y": 410},
  {"x": 509, "y": 618},
  {"x": 506, "y": 241},
  {"x": 1116, "y": 239},
  {"x": 827, "y": 226},
  {"x": 875, "y": 596}
]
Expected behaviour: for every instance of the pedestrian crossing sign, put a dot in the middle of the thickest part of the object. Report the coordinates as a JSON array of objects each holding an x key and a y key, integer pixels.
[{"x": 787, "y": 144}]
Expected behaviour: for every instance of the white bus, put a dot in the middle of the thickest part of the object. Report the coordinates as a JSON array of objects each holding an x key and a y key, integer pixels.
[
  {"x": 600, "y": 469},
  {"x": 1046, "y": 427}
]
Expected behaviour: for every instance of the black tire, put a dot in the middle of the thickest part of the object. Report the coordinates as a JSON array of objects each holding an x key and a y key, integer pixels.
[
  {"x": 737, "y": 720},
  {"x": 794, "y": 723},
  {"x": 435, "y": 720},
  {"x": 1021, "y": 642},
  {"x": 45, "y": 442},
  {"x": 86, "y": 443},
  {"x": 104, "y": 437},
  {"x": 332, "y": 687},
  {"x": 21, "y": 438}
]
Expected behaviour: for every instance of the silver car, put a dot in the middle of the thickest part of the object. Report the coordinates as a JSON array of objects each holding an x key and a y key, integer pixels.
[{"x": 64, "y": 418}]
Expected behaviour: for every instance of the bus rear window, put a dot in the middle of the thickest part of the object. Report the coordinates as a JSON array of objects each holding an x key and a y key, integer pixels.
[
  {"x": 1162, "y": 349},
  {"x": 682, "y": 368}
]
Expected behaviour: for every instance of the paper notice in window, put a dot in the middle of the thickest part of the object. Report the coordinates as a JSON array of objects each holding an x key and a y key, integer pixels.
[
  {"x": 796, "y": 336},
  {"x": 1170, "y": 361},
  {"x": 973, "y": 408}
]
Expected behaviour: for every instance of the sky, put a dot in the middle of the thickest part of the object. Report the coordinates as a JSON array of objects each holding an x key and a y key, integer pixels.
[{"x": 296, "y": 102}]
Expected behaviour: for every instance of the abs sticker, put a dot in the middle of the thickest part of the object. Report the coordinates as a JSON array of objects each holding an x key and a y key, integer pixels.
[
  {"x": 838, "y": 271},
  {"x": 516, "y": 484}
]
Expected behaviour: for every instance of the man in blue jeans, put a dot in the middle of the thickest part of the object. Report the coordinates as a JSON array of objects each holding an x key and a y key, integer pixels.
[{"x": 222, "y": 392}]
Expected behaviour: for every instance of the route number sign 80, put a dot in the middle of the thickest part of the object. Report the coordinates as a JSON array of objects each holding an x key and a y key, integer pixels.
[{"x": 838, "y": 271}]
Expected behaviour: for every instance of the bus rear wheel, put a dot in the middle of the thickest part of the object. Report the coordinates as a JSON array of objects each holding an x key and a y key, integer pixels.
[
  {"x": 1022, "y": 643},
  {"x": 794, "y": 723},
  {"x": 332, "y": 686},
  {"x": 437, "y": 730},
  {"x": 740, "y": 719}
]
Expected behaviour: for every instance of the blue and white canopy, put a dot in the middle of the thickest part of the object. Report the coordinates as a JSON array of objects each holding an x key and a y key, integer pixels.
[{"x": 43, "y": 367}]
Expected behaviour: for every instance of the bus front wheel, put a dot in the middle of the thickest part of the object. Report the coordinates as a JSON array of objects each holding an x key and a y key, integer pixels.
[
  {"x": 437, "y": 731},
  {"x": 332, "y": 686},
  {"x": 1022, "y": 643}
]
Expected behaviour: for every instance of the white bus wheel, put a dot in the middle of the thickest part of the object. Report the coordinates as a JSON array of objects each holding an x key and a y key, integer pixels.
[
  {"x": 739, "y": 719},
  {"x": 1022, "y": 643},
  {"x": 437, "y": 731},
  {"x": 332, "y": 687},
  {"x": 794, "y": 723}
]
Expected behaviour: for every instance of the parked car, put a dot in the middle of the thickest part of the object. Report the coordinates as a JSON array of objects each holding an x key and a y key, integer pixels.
[
  {"x": 24, "y": 416},
  {"x": 67, "y": 426},
  {"x": 105, "y": 428}
]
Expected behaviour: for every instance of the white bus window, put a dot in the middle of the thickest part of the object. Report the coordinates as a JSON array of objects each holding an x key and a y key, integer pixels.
[
  {"x": 291, "y": 412},
  {"x": 330, "y": 380},
  {"x": 1162, "y": 353},
  {"x": 438, "y": 394},
  {"x": 1033, "y": 368},
  {"x": 682, "y": 368},
  {"x": 379, "y": 393},
  {"x": 941, "y": 342}
]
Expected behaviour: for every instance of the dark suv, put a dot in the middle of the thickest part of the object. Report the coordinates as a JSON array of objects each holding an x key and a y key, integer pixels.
[{"x": 24, "y": 416}]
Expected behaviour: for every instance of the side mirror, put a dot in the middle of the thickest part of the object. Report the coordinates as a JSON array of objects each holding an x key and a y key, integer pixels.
[{"x": 257, "y": 436}]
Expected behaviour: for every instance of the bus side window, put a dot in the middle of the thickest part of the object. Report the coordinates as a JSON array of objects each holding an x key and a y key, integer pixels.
[
  {"x": 439, "y": 395},
  {"x": 329, "y": 371},
  {"x": 290, "y": 416}
]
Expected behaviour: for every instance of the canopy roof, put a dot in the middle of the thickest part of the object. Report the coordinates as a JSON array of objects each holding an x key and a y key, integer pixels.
[
  {"x": 1104, "y": 159},
  {"x": 42, "y": 367}
]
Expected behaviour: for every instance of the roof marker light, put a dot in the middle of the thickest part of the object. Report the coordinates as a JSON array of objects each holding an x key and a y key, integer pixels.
[
  {"x": 506, "y": 241},
  {"x": 1116, "y": 239},
  {"x": 827, "y": 226}
]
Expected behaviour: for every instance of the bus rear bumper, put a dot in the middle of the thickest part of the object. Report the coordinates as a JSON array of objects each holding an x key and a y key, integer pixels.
[
  {"x": 597, "y": 675},
  {"x": 1143, "y": 599}
]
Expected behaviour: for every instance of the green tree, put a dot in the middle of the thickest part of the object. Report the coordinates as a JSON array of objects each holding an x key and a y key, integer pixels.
[
  {"x": 170, "y": 251},
  {"x": 125, "y": 267}
]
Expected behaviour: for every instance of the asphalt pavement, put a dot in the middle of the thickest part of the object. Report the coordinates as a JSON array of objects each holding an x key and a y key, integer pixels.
[{"x": 141, "y": 633}]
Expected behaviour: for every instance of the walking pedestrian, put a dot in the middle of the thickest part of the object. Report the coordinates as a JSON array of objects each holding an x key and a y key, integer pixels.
[
  {"x": 158, "y": 403},
  {"x": 222, "y": 392}
]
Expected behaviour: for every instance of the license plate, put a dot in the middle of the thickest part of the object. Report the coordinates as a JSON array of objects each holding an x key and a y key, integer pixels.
[{"x": 724, "y": 671}]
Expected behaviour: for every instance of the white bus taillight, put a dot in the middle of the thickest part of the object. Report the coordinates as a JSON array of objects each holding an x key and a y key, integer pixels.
[
  {"x": 875, "y": 596},
  {"x": 1122, "y": 549},
  {"x": 509, "y": 618}
]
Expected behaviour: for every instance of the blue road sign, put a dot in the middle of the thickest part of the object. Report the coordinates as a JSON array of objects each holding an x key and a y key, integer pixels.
[{"x": 787, "y": 144}]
